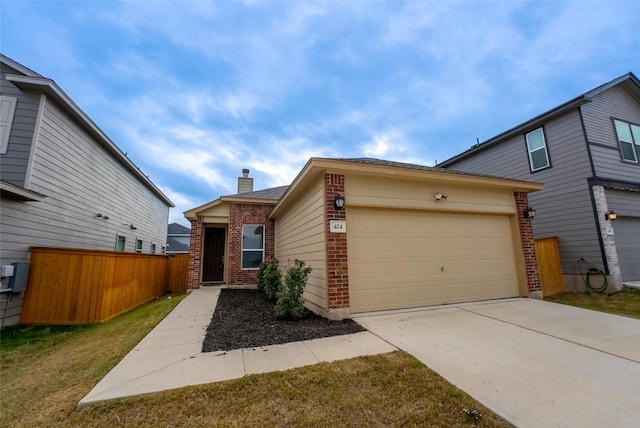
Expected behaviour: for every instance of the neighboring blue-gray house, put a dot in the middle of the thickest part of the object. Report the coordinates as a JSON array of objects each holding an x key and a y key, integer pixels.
[
  {"x": 63, "y": 182},
  {"x": 587, "y": 153},
  {"x": 178, "y": 239}
]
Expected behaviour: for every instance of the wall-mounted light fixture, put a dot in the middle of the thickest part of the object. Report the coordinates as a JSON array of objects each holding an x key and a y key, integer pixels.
[
  {"x": 132, "y": 227},
  {"x": 529, "y": 213},
  {"x": 338, "y": 202},
  {"x": 99, "y": 215},
  {"x": 104, "y": 217},
  {"x": 610, "y": 215},
  {"x": 440, "y": 197}
]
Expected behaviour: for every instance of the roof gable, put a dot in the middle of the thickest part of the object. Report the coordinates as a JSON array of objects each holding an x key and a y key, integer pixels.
[{"x": 30, "y": 80}]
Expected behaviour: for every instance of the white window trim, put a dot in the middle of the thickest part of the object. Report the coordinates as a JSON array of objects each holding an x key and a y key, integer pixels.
[
  {"x": 635, "y": 145},
  {"x": 544, "y": 147},
  {"x": 118, "y": 236},
  {"x": 252, "y": 249},
  {"x": 152, "y": 247},
  {"x": 5, "y": 125},
  {"x": 139, "y": 250}
]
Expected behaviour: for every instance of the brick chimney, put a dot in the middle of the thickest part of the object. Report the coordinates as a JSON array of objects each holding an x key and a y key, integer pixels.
[{"x": 245, "y": 184}]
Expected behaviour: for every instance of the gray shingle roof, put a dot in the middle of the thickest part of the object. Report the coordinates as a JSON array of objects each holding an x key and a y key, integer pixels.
[
  {"x": 273, "y": 193},
  {"x": 178, "y": 229},
  {"x": 174, "y": 246}
]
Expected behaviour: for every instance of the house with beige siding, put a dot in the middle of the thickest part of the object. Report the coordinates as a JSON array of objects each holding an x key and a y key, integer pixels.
[
  {"x": 587, "y": 153},
  {"x": 64, "y": 183},
  {"x": 378, "y": 235}
]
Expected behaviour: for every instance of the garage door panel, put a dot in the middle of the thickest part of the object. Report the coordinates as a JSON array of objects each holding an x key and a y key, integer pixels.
[
  {"x": 401, "y": 259},
  {"x": 627, "y": 238}
]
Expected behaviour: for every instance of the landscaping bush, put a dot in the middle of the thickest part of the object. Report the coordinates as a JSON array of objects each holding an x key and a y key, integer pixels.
[
  {"x": 270, "y": 278},
  {"x": 290, "y": 303}
]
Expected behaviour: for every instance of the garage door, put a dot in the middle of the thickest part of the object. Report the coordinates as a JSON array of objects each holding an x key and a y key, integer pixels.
[
  {"x": 402, "y": 259},
  {"x": 627, "y": 237}
]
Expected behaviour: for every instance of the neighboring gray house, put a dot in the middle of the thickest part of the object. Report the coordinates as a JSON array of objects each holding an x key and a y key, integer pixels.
[
  {"x": 587, "y": 153},
  {"x": 178, "y": 238},
  {"x": 64, "y": 183}
]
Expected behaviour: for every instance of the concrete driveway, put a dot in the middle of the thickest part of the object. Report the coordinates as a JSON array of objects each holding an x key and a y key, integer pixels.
[{"x": 537, "y": 364}]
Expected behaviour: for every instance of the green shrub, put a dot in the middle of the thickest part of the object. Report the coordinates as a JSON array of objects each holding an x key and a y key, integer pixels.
[
  {"x": 270, "y": 278},
  {"x": 290, "y": 303},
  {"x": 260, "y": 280}
]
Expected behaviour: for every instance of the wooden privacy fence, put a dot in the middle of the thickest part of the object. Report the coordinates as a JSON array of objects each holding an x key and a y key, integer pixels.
[
  {"x": 71, "y": 286},
  {"x": 549, "y": 268}
]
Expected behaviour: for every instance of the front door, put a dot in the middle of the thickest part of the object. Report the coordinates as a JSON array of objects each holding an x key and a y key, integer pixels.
[{"x": 213, "y": 259}]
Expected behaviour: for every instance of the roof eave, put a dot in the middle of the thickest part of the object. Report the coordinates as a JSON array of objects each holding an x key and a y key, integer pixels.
[
  {"x": 51, "y": 89},
  {"x": 519, "y": 129}
]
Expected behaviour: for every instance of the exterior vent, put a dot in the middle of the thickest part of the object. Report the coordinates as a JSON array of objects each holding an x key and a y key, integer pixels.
[{"x": 245, "y": 184}]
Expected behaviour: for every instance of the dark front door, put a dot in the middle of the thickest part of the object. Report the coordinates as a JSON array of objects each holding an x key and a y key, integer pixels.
[{"x": 213, "y": 260}]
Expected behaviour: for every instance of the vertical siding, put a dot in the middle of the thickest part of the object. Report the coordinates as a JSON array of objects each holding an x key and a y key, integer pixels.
[
  {"x": 300, "y": 235},
  {"x": 13, "y": 164},
  {"x": 619, "y": 104},
  {"x": 564, "y": 206}
]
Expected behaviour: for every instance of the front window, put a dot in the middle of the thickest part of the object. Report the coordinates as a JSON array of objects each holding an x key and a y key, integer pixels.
[
  {"x": 629, "y": 140},
  {"x": 537, "y": 147},
  {"x": 252, "y": 245},
  {"x": 138, "y": 245},
  {"x": 152, "y": 249}
]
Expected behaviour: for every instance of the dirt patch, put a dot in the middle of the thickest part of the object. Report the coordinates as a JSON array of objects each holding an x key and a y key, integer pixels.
[{"x": 247, "y": 319}]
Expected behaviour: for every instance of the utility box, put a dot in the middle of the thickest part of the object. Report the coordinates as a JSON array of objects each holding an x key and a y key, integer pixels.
[
  {"x": 18, "y": 282},
  {"x": 6, "y": 271}
]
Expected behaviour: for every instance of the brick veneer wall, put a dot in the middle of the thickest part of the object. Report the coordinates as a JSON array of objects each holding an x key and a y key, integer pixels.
[
  {"x": 195, "y": 253},
  {"x": 528, "y": 245},
  {"x": 240, "y": 214},
  {"x": 337, "y": 270}
]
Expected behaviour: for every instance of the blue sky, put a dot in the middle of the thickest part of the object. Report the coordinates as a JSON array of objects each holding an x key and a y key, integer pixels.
[{"x": 194, "y": 91}]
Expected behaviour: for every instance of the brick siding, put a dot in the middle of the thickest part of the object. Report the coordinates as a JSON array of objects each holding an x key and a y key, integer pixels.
[
  {"x": 337, "y": 270},
  {"x": 528, "y": 243},
  {"x": 240, "y": 214},
  {"x": 195, "y": 253}
]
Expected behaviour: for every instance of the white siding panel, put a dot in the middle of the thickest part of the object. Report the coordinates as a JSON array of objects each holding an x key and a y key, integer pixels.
[
  {"x": 80, "y": 179},
  {"x": 300, "y": 234}
]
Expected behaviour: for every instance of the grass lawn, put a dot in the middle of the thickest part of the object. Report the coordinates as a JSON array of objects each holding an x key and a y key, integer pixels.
[
  {"x": 625, "y": 303},
  {"x": 45, "y": 371}
]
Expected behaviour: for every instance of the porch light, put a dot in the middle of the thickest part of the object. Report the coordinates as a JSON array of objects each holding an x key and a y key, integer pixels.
[
  {"x": 529, "y": 213},
  {"x": 338, "y": 202},
  {"x": 610, "y": 215}
]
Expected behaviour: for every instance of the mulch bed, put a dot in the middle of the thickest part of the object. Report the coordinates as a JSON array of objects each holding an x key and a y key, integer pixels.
[{"x": 246, "y": 319}]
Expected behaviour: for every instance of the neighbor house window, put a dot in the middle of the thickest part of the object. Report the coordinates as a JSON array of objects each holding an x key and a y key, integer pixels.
[
  {"x": 153, "y": 248},
  {"x": 120, "y": 242},
  {"x": 164, "y": 249},
  {"x": 252, "y": 245},
  {"x": 7, "y": 110},
  {"x": 537, "y": 147},
  {"x": 629, "y": 140},
  {"x": 138, "y": 245}
]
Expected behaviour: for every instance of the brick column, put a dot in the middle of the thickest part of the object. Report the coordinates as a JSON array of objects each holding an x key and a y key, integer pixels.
[
  {"x": 605, "y": 227},
  {"x": 337, "y": 270},
  {"x": 528, "y": 245},
  {"x": 195, "y": 253}
]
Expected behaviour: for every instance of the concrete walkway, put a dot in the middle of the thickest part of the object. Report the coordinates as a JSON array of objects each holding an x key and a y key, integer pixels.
[
  {"x": 170, "y": 355},
  {"x": 535, "y": 363}
]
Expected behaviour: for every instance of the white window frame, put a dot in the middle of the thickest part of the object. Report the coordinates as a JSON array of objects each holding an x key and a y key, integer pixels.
[
  {"x": 139, "y": 247},
  {"x": 152, "y": 248},
  {"x": 544, "y": 147},
  {"x": 634, "y": 132},
  {"x": 164, "y": 249},
  {"x": 7, "y": 112},
  {"x": 252, "y": 249},
  {"x": 124, "y": 242}
]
